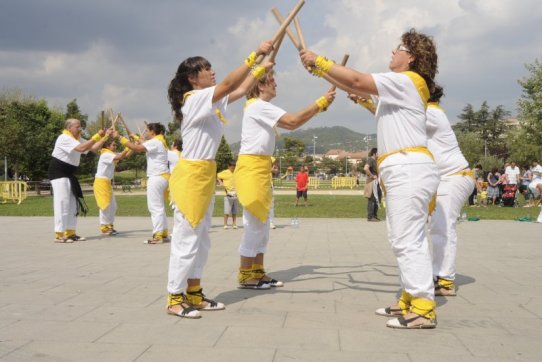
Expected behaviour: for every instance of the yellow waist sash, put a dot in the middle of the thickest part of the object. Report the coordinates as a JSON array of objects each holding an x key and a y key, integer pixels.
[
  {"x": 103, "y": 192},
  {"x": 465, "y": 172},
  {"x": 192, "y": 185},
  {"x": 420, "y": 149},
  {"x": 253, "y": 183}
]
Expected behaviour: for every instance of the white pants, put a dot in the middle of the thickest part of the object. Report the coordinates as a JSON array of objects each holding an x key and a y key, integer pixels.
[
  {"x": 272, "y": 209},
  {"x": 64, "y": 205},
  {"x": 107, "y": 216},
  {"x": 409, "y": 189},
  {"x": 539, "y": 217},
  {"x": 255, "y": 235},
  {"x": 452, "y": 193},
  {"x": 189, "y": 250},
  {"x": 156, "y": 186}
]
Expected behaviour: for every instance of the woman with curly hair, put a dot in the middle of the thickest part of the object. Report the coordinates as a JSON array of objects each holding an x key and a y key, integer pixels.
[
  {"x": 198, "y": 104},
  {"x": 408, "y": 173}
]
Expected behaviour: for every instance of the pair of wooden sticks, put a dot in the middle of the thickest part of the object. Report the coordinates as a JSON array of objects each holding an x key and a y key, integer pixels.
[{"x": 300, "y": 43}]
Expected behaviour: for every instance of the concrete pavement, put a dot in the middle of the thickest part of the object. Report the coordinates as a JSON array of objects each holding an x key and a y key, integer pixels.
[{"x": 104, "y": 299}]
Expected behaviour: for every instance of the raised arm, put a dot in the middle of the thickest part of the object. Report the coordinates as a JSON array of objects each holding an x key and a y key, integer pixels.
[
  {"x": 87, "y": 146},
  {"x": 236, "y": 77},
  {"x": 256, "y": 74},
  {"x": 291, "y": 121},
  {"x": 347, "y": 79}
]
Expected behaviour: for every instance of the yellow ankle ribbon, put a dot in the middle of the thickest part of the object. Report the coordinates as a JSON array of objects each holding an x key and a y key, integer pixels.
[{"x": 423, "y": 307}]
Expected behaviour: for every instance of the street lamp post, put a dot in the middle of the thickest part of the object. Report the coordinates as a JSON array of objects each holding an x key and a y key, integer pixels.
[
  {"x": 367, "y": 139},
  {"x": 314, "y": 146}
]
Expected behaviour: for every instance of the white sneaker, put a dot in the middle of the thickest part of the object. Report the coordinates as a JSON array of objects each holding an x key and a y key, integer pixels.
[
  {"x": 226, "y": 227},
  {"x": 272, "y": 226}
]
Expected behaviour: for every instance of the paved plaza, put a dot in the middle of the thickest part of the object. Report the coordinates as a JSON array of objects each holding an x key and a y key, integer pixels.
[{"x": 104, "y": 299}]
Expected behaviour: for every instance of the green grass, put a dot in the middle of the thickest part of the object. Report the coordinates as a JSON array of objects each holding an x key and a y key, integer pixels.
[{"x": 327, "y": 206}]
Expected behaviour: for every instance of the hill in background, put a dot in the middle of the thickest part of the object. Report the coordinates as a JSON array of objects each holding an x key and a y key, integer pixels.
[{"x": 328, "y": 138}]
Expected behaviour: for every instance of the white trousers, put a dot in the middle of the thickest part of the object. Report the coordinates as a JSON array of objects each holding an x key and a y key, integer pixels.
[
  {"x": 189, "y": 250},
  {"x": 156, "y": 186},
  {"x": 539, "y": 217},
  {"x": 255, "y": 235},
  {"x": 409, "y": 189},
  {"x": 452, "y": 193},
  {"x": 64, "y": 205},
  {"x": 107, "y": 216}
]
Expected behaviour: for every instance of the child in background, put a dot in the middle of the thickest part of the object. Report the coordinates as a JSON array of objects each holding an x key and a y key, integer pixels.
[{"x": 483, "y": 197}]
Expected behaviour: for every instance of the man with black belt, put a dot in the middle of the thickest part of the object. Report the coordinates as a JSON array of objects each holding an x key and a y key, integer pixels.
[{"x": 68, "y": 199}]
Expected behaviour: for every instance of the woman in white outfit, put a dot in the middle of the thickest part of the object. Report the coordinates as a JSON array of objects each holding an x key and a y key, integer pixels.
[
  {"x": 103, "y": 188},
  {"x": 253, "y": 174},
  {"x": 409, "y": 176},
  {"x": 198, "y": 104},
  {"x": 456, "y": 184},
  {"x": 156, "y": 151}
]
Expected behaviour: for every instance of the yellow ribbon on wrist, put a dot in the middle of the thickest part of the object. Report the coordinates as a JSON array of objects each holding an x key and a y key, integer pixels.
[
  {"x": 322, "y": 103},
  {"x": 96, "y": 137},
  {"x": 322, "y": 66},
  {"x": 136, "y": 137},
  {"x": 258, "y": 72},
  {"x": 250, "y": 61},
  {"x": 124, "y": 141}
]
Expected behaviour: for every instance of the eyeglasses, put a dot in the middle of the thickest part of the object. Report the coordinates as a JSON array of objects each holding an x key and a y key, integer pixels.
[{"x": 402, "y": 48}]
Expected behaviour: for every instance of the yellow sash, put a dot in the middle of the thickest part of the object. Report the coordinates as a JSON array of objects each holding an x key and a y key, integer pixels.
[
  {"x": 68, "y": 133},
  {"x": 192, "y": 186},
  {"x": 435, "y": 105},
  {"x": 420, "y": 84},
  {"x": 465, "y": 172},
  {"x": 253, "y": 182},
  {"x": 103, "y": 192},
  {"x": 420, "y": 149},
  {"x": 166, "y": 176}
]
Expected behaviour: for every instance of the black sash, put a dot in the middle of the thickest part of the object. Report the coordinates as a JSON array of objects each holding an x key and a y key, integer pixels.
[{"x": 60, "y": 169}]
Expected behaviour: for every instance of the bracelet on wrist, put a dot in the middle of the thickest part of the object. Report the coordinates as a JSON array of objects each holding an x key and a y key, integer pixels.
[
  {"x": 250, "y": 61},
  {"x": 96, "y": 137},
  {"x": 258, "y": 72},
  {"x": 124, "y": 141},
  {"x": 322, "y": 103},
  {"x": 322, "y": 65}
]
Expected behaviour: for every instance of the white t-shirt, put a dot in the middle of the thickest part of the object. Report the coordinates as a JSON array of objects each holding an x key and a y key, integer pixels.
[
  {"x": 442, "y": 142},
  {"x": 400, "y": 117},
  {"x": 173, "y": 159},
  {"x": 537, "y": 171},
  {"x": 106, "y": 165},
  {"x": 64, "y": 149},
  {"x": 156, "y": 157},
  {"x": 257, "y": 132},
  {"x": 513, "y": 174},
  {"x": 201, "y": 129}
]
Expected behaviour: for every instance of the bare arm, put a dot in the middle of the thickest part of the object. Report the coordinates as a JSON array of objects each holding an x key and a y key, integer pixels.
[
  {"x": 136, "y": 147},
  {"x": 235, "y": 78},
  {"x": 87, "y": 146},
  {"x": 291, "y": 121},
  {"x": 249, "y": 81},
  {"x": 343, "y": 77}
]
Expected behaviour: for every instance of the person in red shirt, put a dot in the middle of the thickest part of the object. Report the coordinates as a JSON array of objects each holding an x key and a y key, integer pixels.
[{"x": 302, "y": 184}]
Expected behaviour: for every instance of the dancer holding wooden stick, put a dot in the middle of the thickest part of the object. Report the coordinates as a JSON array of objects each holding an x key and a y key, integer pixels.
[{"x": 408, "y": 173}]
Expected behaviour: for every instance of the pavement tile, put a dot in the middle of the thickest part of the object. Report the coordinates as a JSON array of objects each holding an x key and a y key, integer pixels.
[{"x": 190, "y": 353}]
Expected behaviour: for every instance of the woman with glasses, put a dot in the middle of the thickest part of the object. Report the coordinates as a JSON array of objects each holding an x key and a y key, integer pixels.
[{"x": 409, "y": 176}]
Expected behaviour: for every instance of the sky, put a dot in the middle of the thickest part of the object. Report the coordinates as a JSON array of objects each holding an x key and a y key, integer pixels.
[{"x": 122, "y": 54}]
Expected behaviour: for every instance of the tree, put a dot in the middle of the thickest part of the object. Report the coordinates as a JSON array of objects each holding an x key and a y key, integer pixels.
[
  {"x": 293, "y": 146},
  {"x": 530, "y": 110},
  {"x": 29, "y": 130},
  {"x": 72, "y": 111},
  {"x": 488, "y": 125},
  {"x": 470, "y": 146},
  {"x": 223, "y": 155}
]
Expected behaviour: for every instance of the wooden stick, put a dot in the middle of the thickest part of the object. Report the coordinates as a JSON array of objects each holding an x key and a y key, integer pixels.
[
  {"x": 102, "y": 120},
  {"x": 284, "y": 25},
  {"x": 300, "y": 33},
  {"x": 276, "y": 50},
  {"x": 114, "y": 122},
  {"x": 124, "y": 124},
  {"x": 291, "y": 35},
  {"x": 343, "y": 63}
]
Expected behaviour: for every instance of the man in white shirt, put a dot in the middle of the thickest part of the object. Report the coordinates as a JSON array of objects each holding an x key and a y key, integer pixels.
[{"x": 512, "y": 172}]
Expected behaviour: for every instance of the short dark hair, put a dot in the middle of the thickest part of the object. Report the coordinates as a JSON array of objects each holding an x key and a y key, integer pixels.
[
  {"x": 232, "y": 163},
  {"x": 373, "y": 151}
]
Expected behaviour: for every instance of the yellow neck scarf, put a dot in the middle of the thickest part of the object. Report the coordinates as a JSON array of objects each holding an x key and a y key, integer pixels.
[
  {"x": 435, "y": 105},
  {"x": 68, "y": 133},
  {"x": 160, "y": 137},
  {"x": 253, "y": 183},
  {"x": 192, "y": 186},
  {"x": 217, "y": 111},
  {"x": 105, "y": 150},
  {"x": 420, "y": 84}
]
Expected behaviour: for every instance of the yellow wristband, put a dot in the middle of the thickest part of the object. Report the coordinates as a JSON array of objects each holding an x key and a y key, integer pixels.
[
  {"x": 136, "y": 137},
  {"x": 323, "y": 65},
  {"x": 367, "y": 103},
  {"x": 124, "y": 141},
  {"x": 322, "y": 103},
  {"x": 96, "y": 137},
  {"x": 258, "y": 72},
  {"x": 251, "y": 60}
]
